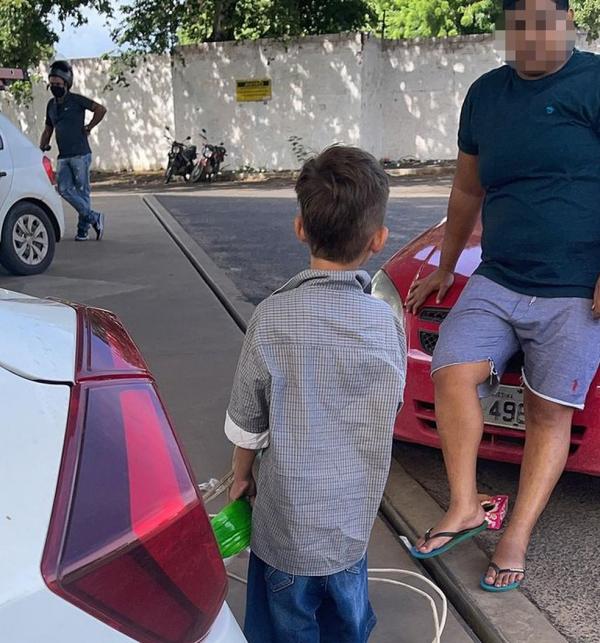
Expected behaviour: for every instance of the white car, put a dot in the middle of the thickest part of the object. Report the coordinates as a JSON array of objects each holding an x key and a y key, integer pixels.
[
  {"x": 31, "y": 212},
  {"x": 103, "y": 536}
]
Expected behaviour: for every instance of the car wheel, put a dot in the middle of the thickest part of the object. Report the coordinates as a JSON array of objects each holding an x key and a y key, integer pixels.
[{"x": 28, "y": 241}]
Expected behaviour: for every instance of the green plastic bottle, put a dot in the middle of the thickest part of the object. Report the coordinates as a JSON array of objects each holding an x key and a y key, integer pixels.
[{"x": 232, "y": 527}]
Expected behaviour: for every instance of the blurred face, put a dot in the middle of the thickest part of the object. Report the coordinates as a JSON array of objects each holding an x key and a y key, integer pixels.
[{"x": 539, "y": 37}]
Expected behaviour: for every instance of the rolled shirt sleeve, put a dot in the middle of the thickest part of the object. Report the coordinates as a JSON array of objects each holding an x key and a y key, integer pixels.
[{"x": 247, "y": 419}]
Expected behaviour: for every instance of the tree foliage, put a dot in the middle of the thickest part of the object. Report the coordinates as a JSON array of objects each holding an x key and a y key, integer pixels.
[
  {"x": 436, "y": 18},
  {"x": 587, "y": 15},
  {"x": 27, "y": 35},
  {"x": 442, "y": 18},
  {"x": 26, "y": 32},
  {"x": 154, "y": 26}
]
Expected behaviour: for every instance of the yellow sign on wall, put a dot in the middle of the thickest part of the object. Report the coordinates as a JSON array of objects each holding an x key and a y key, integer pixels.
[{"x": 256, "y": 90}]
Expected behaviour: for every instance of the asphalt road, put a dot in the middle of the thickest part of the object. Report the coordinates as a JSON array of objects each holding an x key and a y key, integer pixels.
[{"x": 248, "y": 233}]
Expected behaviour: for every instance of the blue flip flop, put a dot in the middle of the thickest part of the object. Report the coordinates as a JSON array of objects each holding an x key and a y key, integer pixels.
[
  {"x": 507, "y": 588},
  {"x": 456, "y": 537}
]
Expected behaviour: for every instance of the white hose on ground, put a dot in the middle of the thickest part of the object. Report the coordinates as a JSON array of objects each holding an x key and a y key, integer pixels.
[{"x": 438, "y": 623}]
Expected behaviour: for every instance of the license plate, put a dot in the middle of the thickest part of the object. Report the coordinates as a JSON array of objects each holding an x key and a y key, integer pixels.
[{"x": 505, "y": 408}]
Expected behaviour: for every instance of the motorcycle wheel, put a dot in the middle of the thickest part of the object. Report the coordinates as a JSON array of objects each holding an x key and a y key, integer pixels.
[
  {"x": 197, "y": 173},
  {"x": 169, "y": 173}
]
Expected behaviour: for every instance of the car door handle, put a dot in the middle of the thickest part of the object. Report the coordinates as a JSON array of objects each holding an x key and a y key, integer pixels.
[{"x": 2, "y": 174}]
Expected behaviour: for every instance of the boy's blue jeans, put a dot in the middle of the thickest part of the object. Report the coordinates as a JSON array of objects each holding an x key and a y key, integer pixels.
[
  {"x": 73, "y": 177},
  {"x": 282, "y": 608}
]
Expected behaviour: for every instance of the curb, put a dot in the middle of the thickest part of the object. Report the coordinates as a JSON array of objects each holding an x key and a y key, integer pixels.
[
  {"x": 434, "y": 170},
  {"x": 249, "y": 178},
  {"x": 504, "y": 618},
  {"x": 224, "y": 289},
  {"x": 495, "y": 618}
]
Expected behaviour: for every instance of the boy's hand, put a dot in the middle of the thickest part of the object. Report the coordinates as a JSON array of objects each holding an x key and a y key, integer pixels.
[{"x": 243, "y": 488}]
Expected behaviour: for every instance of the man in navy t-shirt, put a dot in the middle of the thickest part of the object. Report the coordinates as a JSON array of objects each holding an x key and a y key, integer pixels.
[
  {"x": 65, "y": 116},
  {"x": 529, "y": 161}
]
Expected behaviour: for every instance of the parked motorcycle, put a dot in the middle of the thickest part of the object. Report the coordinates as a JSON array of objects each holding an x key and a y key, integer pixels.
[
  {"x": 209, "y": 163},
  {"x": 182, "y": 159}
]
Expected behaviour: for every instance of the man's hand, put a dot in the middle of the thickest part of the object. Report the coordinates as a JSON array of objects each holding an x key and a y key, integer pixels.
[
  {"x": 439, "y": 281},
  {"x": 596, "y": 304},
  {"x": 87, "y": 130},
  {"x": 46, "y": 136},
  {"x": 243, "y": 488}
]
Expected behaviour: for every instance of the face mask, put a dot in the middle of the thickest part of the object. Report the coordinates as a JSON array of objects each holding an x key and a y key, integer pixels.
[{"x": 57, "y": 92}]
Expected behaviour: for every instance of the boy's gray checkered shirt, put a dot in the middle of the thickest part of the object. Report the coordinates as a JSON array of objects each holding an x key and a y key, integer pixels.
[{"x": 319, "y": 381}]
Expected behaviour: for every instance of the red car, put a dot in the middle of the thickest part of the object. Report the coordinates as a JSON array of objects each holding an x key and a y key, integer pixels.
[{"x": 504, "y": 432}]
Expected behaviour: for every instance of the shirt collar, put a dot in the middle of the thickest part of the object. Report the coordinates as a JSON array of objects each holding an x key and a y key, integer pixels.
[{"x": 359, "y": 279}]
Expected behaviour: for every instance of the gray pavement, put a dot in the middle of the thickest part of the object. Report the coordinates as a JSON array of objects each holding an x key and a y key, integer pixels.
[
  {"x": 192, "y": 345},
  {"x": 248, "y": 235}
]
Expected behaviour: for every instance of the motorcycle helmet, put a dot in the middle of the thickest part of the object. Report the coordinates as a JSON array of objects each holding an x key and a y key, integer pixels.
[{"x": 62, "y": 69}]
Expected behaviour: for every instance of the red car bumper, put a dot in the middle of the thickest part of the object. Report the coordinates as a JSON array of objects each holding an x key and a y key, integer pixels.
[{"x": 416, "y": 421}]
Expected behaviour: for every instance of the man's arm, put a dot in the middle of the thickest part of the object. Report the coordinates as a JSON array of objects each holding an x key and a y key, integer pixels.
[
  {"x": 464, "y": 209},
  {"x": 99, "y": 112},
  {"x": 46, "y": 136},
  {"x": 596, "y": 304}
]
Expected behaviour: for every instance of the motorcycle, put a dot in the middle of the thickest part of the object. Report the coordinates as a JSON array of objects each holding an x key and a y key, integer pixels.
[
  {"x": 182, "y": 159},
  {"x": 209, "y": 163}
]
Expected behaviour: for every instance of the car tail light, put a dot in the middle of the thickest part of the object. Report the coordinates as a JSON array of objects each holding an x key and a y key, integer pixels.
[
  {"x": 49, "y": 170},
  {"x": 129, "y": 540}
]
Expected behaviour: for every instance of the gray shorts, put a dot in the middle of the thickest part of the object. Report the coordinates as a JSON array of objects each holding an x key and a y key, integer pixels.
[{"x": 559, "y": 338}]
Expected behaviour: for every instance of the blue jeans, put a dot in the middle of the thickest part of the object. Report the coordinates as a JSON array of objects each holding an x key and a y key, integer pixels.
[
  {"x": 74, "y": 186},
  {"x": 282, "y": 608}
]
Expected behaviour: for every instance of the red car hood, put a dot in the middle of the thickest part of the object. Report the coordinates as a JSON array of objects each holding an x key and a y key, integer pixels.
[{"x": 422, "y": 256}]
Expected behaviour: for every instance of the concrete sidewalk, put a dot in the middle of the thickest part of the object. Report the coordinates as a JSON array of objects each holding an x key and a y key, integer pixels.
[{"x": 192, "y": 345}]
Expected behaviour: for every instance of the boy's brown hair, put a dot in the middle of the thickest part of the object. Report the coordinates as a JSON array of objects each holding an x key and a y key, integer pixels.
[{"x": 343, "y": 194}]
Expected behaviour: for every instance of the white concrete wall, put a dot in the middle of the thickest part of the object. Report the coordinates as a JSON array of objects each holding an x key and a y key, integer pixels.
[
  {"x": 396, "y": 99},
  {"x": 316, "y": 95},
  {"x": 425, "y": 85}
]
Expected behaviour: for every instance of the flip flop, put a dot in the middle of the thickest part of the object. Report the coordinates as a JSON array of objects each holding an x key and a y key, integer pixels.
[
  {"x": 456, "y": 537},
  {"x": 507, "y": 588}
]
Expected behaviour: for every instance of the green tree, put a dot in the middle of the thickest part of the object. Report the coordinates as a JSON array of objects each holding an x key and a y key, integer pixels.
[
  {"x": 442, "y": 18},
  {"x": 156, "y": 26},
  {"x": 436, "y": 18},
  {"x": 26, "y": 32},
  {"x": 27, "y": 36},
  {"x": 587, "y": 15}
]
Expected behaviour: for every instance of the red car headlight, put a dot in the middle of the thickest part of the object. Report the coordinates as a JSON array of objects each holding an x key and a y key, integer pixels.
[{"x": 383, "y": 288}]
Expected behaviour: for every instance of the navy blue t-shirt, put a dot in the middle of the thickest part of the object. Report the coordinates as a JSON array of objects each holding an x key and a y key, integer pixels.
[
  {"x": 538, "y": 143},
  {"x": 68, "y": 120}
]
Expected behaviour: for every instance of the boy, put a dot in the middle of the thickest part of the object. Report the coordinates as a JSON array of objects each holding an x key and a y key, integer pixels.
[{"x": 318, "y": 385}]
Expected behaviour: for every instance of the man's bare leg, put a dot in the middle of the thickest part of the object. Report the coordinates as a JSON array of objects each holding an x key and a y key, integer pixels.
[
  {"x": 460, "y": 426},
  {"x": 546, "y": 450}
]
